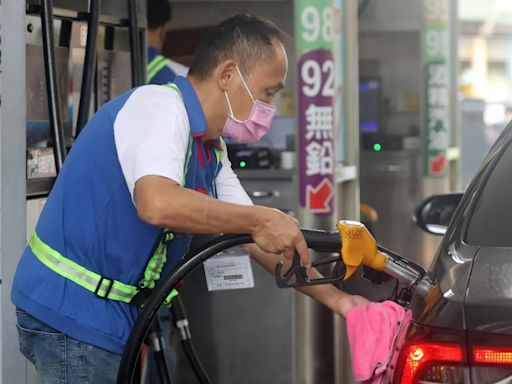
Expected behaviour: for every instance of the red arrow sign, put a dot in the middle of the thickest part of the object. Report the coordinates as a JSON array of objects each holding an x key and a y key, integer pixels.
[
  {"x": 317, "y": 199},
  {"x": 437, "y": 164}
]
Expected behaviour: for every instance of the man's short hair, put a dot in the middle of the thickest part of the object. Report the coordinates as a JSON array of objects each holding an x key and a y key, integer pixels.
[
  {"x": 244, "y": 38},
  {"x": 159, "y": 13}
]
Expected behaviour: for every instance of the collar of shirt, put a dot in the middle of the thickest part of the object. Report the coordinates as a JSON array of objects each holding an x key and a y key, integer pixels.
[
  {"x": 152, "y": 53},
  {"x": 194, "y": 110}
]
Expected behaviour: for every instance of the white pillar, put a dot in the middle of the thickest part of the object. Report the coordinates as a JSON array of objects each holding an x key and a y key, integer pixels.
[
  {"x": 348, "y": 190},
  {"x": 13, "y": 366}
]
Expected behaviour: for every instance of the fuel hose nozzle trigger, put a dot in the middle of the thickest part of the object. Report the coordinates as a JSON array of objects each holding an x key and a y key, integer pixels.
[{"x": 359, "y": 247}]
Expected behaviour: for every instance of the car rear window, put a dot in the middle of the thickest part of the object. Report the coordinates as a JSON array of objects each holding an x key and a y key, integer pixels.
[{"x": 491, "y": 222}]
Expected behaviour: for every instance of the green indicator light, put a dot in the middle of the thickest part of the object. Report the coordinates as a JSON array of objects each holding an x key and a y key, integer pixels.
[
  {"x": 243, "y": 164},
  {"x": 377, "y": 147}
]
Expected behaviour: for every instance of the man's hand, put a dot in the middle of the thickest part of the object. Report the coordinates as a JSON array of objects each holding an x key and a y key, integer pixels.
[{"x": 278, "y": 233}]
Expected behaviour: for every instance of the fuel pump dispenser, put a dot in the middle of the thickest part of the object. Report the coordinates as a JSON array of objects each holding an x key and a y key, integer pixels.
[{"x": 80, "y": 55}]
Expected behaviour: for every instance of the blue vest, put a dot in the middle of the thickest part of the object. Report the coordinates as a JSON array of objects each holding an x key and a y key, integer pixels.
[
  {"x": 158, "y": 71},
  {"x": 90, "y": 218}
]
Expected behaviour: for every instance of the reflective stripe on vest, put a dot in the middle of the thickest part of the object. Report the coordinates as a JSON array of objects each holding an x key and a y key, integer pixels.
[
  {"x": 155, "y": 66},
  {"x": 102, "y": 286},
  {"x": 157, "y": 59},
  {"x": 156, "y": 263}
]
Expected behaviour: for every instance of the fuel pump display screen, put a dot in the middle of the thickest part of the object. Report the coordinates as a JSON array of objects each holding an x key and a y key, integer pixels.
[{"x": 370, "y": 99}]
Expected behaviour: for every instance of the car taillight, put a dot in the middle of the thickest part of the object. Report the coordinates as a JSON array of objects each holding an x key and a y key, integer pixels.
[
  {"x": 439, "y": 356},
  {"x": 490, "y": 358},
  {"x": 432, "y": 356},
  {"x": 433, "y": 363}
]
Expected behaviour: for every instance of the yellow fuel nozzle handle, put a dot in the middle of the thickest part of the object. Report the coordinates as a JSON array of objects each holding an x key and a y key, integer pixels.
[{"x": 359, "y": 247}]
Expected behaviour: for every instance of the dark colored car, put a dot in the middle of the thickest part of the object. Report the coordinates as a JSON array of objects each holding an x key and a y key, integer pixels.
[{"x": 462, "y": 309}]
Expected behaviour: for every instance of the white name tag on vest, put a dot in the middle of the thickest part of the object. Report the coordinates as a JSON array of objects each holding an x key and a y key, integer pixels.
[{"x": 230, "y": 269}]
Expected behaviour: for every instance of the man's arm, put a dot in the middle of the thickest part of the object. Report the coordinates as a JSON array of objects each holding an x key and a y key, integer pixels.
[
  {"x": 151, "y": 134},
  {"x": 229, "y": 189},
  {"x": 327, "y": 294},
  {"x": 163, "y": 202}
]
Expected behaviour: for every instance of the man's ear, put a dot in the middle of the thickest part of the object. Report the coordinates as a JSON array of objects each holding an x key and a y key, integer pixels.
[{"x": 225, "y": 74}]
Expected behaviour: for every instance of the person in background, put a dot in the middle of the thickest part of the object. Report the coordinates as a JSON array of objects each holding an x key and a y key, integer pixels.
[{"x": 160, "y": 69}]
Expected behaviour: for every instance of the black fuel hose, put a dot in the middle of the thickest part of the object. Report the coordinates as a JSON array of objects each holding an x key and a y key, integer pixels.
[
  {"x": 52, "y": 88},
  {"x": 135, "y": 46},
  {"x": 320, "y": 241},
  {"x": 180, "y": 319},
  {"x": 150, "y": 309},
  {"x": 89, "y": 66},
  {"x": 157, "y": 342}
]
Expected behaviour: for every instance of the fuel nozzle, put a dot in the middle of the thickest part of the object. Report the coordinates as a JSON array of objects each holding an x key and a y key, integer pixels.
[{"x": 359, "y": 247}]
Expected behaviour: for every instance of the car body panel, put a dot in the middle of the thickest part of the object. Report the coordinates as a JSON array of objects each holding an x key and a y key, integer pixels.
[
  {"x": 441, "y": 301},
  {"x": 468, "y": 287},
  {"x": 488, "y": 303}
]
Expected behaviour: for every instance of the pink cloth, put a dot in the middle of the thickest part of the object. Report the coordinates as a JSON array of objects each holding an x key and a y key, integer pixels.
[{"x": 376, "y": 332}]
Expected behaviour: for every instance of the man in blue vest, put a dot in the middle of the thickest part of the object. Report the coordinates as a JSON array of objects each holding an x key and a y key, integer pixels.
[
  {"x": 151, "y": 159},
  {"x": 160, "y": 70}
]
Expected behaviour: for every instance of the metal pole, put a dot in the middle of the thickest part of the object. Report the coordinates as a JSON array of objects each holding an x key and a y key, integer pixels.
[
  {"x": 348, "y": 200},
  {"x": 348, "y": 191},
  {"x": 13, "y": 366},
  {"x": 135, "y": 46}
]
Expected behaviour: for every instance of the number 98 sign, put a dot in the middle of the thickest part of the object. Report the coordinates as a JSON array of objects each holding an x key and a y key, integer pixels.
[{"x": 317, "y": 24}]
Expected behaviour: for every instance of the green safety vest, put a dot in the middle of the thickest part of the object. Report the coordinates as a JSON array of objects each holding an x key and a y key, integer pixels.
[
  {"x": 105, "y": 287},
  {"x": 155, "y": 66}
]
